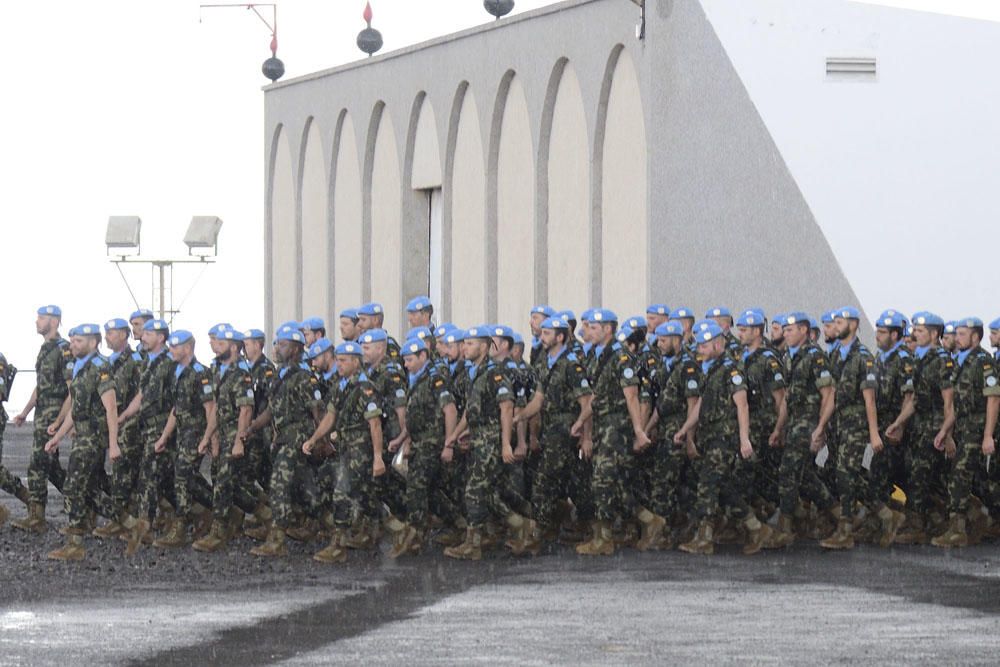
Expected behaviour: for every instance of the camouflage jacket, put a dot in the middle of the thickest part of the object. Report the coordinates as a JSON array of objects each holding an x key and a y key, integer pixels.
[
  {"x": 932, "y": 374},
  {"x": 614, "y": 371},
  {"x": 353, "y": 402},
  {"x": 563, "y": 384},
  {"x": 895, "y": 381},
  {"x": 461, "y": 382},
  {"x": 389, "y": 381},
  {"x": 126, "y": 368},
  {"x": 807, "y": 371},
  {"x": 7, "y": 373},
  {"x": 53, "y": 368},
  {"x": 429, "y": 394},
  {"x": 262, "y": 373},
  {"x": 91, "y": 379},
  {"x": 489, "y": 388},
  {"x": 233, "y": 391},
  {"x": 857, "y": 373},
  {"x": 156, "y": 382},
  {"x": 519, "y": 380},
  {"x": 975, "y": 380},
  {"x": 764, "y": 375},
  {"x": 717, "y": 415},
  {"x": 293, "y": 397},
  {"x": 680, "y": 378},
  {"x": 192, "y": 389}
]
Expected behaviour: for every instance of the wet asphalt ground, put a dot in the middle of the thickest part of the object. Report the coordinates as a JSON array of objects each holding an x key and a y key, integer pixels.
[{"x": 904, "y": 605}]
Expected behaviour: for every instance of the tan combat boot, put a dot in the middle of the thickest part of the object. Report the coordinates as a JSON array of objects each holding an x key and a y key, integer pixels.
[
  {"x": 470, "y": 549},
  {"x": 913, "y": 532},
  {"x": 72, "y": 550},
  {"x": 523, "y": 538},
  {"x": 262, "y": 523},
  {"x": 336, "y": 552},
  {"x": 409, "y": 537},
  {"x": 601, "y": 544},
  {"x": 22, "y": 494},
  {"x": 396, "y": 529},
  {"x": 176, "y": 535},
  {"x": 955, "y": 535},
  {"x": 274, "y": 546},
  {"x": 110, "y": 530},
  {"x": 35, "y": 521},
  {"x": 452, "y": 537},
  {"x": 702, "y": 542},
  {"x": 217, "y": 538},
  {"x": 652, "y": 529},
  {"x": 891, "y": 521},
  {"x": 842, "y": 538},
  {"x": 759, "y": 536},
  {"x": 303, "y": 531},
  {"x": 784, "y": 536},
  {"x": 234, "y": 524}
]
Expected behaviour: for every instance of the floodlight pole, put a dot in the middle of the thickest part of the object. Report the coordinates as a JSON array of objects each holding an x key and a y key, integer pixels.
[{"x": 159, "y": 268}]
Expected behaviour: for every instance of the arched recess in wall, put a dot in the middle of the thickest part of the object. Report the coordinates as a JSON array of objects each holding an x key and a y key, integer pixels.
[
  {"x": 465, "y": 219},
  {"x": 564, "y": 209},
  {"x": 313, "y": 212},
  {"x": 620, "y": 186},
  {"x": 383, "y": 216},
  {"x": 422, "y": 179},
  {"x": 283, "y": 262},
  {"x": 347, "y": 207},
  {"x": 510, "y": 207}
]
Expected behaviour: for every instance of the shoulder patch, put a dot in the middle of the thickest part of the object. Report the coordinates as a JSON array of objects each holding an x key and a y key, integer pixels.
[
  {"x": 198, "y": 367},
  {"x": 136, "y": 356},
  {"x": 571, "y": 356},
  {"x": 97, "y": 361}
]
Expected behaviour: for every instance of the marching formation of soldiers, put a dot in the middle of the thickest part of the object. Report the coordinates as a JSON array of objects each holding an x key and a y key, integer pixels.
[{"x": 649, "y": 432}]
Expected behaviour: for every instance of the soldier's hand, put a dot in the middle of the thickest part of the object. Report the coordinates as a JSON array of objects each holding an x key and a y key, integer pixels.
[
  {"x": 378, "y": 467},
  {"x": 949, "y": 447},
  {"x": 586, "y": 448},
  {"x": 114, "y": 453},
  {"x": 307, "y": 447},
  {"x": 534, "y": 444},
  {"x": 817, "y": 440},
  {"x": 680, "y": 437},
  {"x": 464, "y": 442},
  {"x": 692, "y": 451},
  {"x": 215, "y": 448},
  {"x": 51, "y": 446},
  {"x": 641, "y": 442},
  {"x": 202, "y": 446},
  {"x": 447, "y": 454},
  {"x": 237, "y": 452},
  {"x": 19, "y": 420},
  {"x": 161, "y": 445},
  {"x": 52, "y": 429},
  {"x": 774, "y": 440},
  {"x": 746, "y": 449},
  {"x": 877, "y": 443},
  {"x": 508, "y": 453},
  {"x": 989, "y": 446},
  {"x": 894, "y": 433},
  {"x": 521, "y": 451},
  {"x": 939, "y": 441}
]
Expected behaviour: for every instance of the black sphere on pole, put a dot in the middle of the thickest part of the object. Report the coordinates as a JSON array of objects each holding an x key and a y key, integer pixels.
[
  {"x": 273, "y": 68},
  {"x": 369, "y": 39},
  {"x": 498, "y": 8}
]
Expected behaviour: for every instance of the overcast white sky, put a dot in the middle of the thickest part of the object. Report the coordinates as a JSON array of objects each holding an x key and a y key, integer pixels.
[{"x": 136, "y": 107}]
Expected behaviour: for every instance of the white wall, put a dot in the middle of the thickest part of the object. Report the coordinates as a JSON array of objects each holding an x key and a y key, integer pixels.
[{"x": 316, "y": 276}]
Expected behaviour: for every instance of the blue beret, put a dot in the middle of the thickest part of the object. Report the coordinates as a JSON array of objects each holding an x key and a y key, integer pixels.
[
  {"x": 518, "y": 339},
  {"x": 543, "y": 310},
  {"x": 374, "y": 336},
  {"x": 413, "y": 345},
  {"x": 847, "y": 313},
  {"x": 295, "y": 324},
  {"x": 54, "y": 311},
  {"x": 827, "y": 317},
  {"x": 179, "y": 337},
  {"x": 482, "y": 331},
  {"x": 456, "y": 335},
  {"x": 372, "y": 308},
  {"x": 950, "y": 327},
  {"x": 231, "y": 334},
  {"x": 603, "y": 315},
  {"x": 319, "y": 347},
  {"x": 813, "y": 324},
  {"x": 348, "y": 348},
  {"x": 778, "y": 317},
  {"x": 671, "y": 328},
  {"x": 116, "y": 323},
  {"x": 443, "y": 329},
  {"x": 682, "y": 312},
  {"x": 756, "y": 310},
  {"x": 313, "y": 323},
  {"x": 565, "y": 315},
  {"x": 418, "y": 304},
  {"x": 995, "y": 324},
  {"x": 156, "y": 325},
  {"x": 750, "y": 318},
  {"x": 142, "y": 312},
  {"x": 908, "y": 330},
  {"x": 624, "y": 332},
  {"x": 794, "y": 317},
  {"x": 891, "y": 319},
  {"x": 718, "y": 311},
  {"x": 418, "y": 332},
  {"x": 555, "y": 323},
  {"x": 658, "y": 309},
  {"x": 87, "y": 329},
  {"x": 289, "y": 332},
  {"x": 928, "y": 319},
  {"x": 707, "y": 330},
  {"x": 636, "y": 321},
  {"x": 219, "y": 329},
  {"x": 502, "y": 331},
  {"x": 587, "y": 315},
  {"x": 253, "y": 334},
  {"x": 969, "y": 322},
  {"x": 350, "y": 313}
]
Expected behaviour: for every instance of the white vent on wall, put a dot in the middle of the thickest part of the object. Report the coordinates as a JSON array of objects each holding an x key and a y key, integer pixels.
[{"x": 851, "y": 68}]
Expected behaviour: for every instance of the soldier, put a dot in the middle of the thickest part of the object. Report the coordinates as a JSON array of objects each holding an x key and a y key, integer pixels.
[
  {"x": 933, "y": 414},
  {"x": 685, "y": 316},
  {"x": 995, "y": 339},
  {"x": 94, "y": 416},
  {"x": 50, "y": 401},
  {"x": 489, "y": 418},
  {"x": 656, "y": 314},
  {"x": 324, "y": 363},
  {"x": 977, "y": 403},
  {"x": 948, "y": 341},
  {"x": 563, "y": 398},
  {"x": 538, "y": 315},
  {"x": 262, "y": 370},
  {"x": 349, "y": 329},
  {"x": 521, "y": 382},
  {"x": 152, "y": 403},
  {"x": 517, "y": 352},
  {"x": 294, "y": 400},
  {"x": 193, "y": 403},
  {"x": 8, "y": 481},
  {"x": 126, "y": 366},
  {"x": 777, "y": 342},
  {"x": 371, "y": 316},
  {"x": 618, "y": 438},
  {"x": 431, "y": 415},
  {"x": 830, "y": 336},
  {"x": 420, "y": 312},
  {"x": 810, "y": 400},
  {"x": 137, "y": 320},
  {"x": 723, "y": 429},
  {"x": 724, "y": 318},
  {"x": 354, "y": 412},
  {"x": 313, "y": 328}
]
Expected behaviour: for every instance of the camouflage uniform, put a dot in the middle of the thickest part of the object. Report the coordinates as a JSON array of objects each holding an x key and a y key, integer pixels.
[
  {"x": 483, "y": 493},
  {"x": 193, "y": 388},
  {"x": 807, "y": 371},
  {"x": 926, "y": 466},
  {"x": 8, "y": 481},
  {"x": 560, "y": 472},
  {"x": 764, "y": 374},
  {"x": 975, "y": 380},
  {"x": 678, "y": 380},
  {"x": 231, "y": 481},
  {"x": 126, "y": 366},
  {"x": 895, "y": 380},
  {"x": 857, "y": 374},
  {"x": 457, "y": 472},
  {"x": 52, "y": 374},
  {"x": 429, "y": 394},
  {"x": 258, "y": 445},
  {"x": 614, "y": 461},
  {"x": 91, "y": 379},
  {"x": 354, "y": 401},
  {"x": 718, "y": 439},
  {"x": 156, "y": 473},
  {"x": 388, "y": 379},
  {"x": 293, "y": 397}
]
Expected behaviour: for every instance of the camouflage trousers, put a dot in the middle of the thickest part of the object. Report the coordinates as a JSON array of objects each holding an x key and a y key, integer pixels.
[
  {"x": 560, "y": 474},
  {"x": 125, "y": 470},
  {"x": 86, "y": 460},
  {"x": 852, "y": 478},
  {"x": 156, "y": 472},
  {"x": 797, "y": 473},
  {"x": 292, "y": 483},
  {"x": 718, "y": 484},
  {"x": 42, "y": 467},
  {"x": 926, "y": 470},
  {"x": 260, "y": 459},
  {"x": 455, "y": 477},
  {"x": 484, "y": 497},
  {"x": 9, "y": 482},
  {"x": 968, "y": 469},
  {"x": 231, "y": 480},
  {"x": 666, "y": 481},
  {"x": 615, "y": 472},
  {"x": 190, "y": 486},
  {"x": 425, "y": 491},
  {"x": 390, "y": 488},
  {"x": 768, "y": 463},
  {"x": 356, "y": 493}
]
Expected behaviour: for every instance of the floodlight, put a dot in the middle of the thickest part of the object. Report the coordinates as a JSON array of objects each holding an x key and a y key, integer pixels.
[
  {"x": 123, "y": 233},
  {"x": 203, "y": 232}
]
